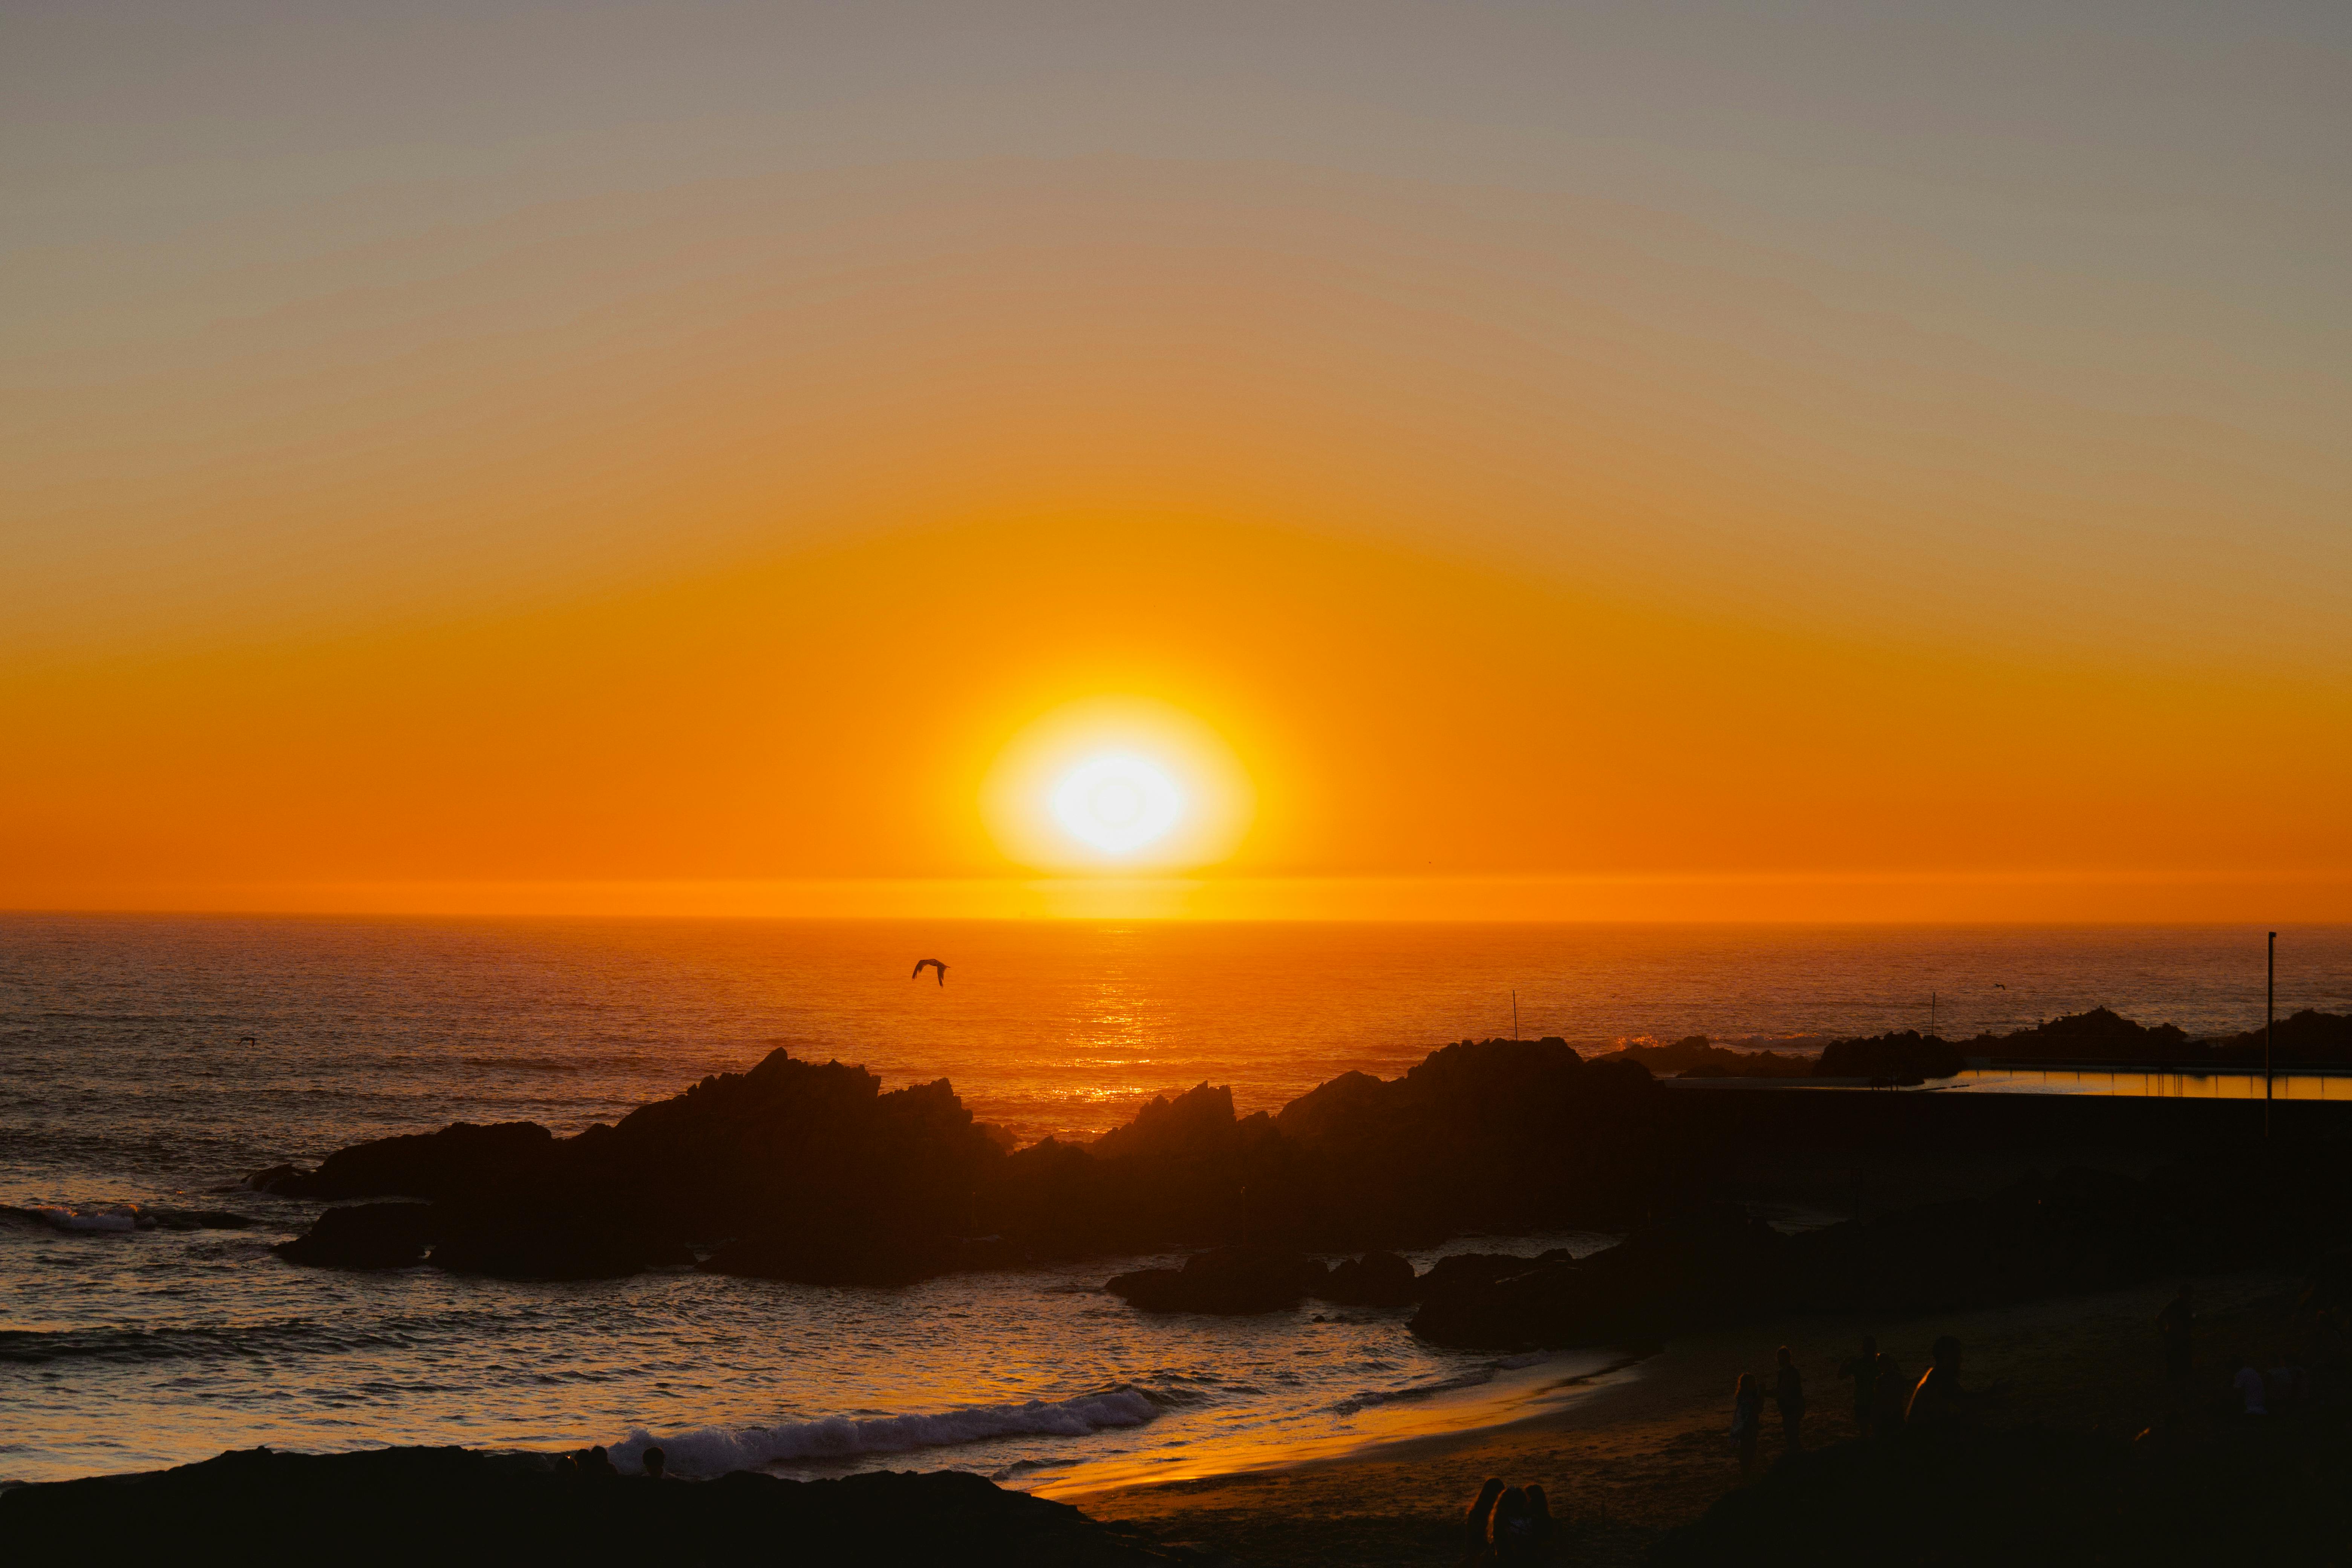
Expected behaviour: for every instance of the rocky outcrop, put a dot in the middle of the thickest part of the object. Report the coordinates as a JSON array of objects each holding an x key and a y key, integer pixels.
[
  {"x": 1695, "y": 1056},
  {"x": 2099, "y": 1034},
  {"x": 1708, "y": 1264},
  {"x": 807, "y": 1172},
  {"x": 365, "y": 1235},
  {"x": 1234, "y": 1279},
  {"x": 456, "y": 1160},
  {"x": 1375, "y": 1280},
  {"x": 1905, "y": 1058},
  {"x": 458, "y": 1507}
]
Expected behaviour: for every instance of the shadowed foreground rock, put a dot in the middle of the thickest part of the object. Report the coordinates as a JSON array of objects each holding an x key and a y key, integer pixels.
[{"x": 457, "y": 1505}]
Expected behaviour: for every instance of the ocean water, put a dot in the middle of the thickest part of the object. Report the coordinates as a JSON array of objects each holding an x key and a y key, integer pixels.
[{"x": 151, "y": 1061}]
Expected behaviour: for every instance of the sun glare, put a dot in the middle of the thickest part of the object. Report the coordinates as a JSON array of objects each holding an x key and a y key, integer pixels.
[
  {"x": 1123, "y": 784},
  {"x": 1118, "y": 804}
]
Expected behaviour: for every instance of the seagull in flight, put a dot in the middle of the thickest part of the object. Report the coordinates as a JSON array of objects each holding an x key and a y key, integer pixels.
[{"x": 923, "y": 964}]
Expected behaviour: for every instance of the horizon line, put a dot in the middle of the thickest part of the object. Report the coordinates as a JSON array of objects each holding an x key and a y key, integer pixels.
[{"x": 2179, "y": 896}]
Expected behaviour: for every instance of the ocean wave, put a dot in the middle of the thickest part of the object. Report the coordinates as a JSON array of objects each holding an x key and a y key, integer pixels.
[
  {"x": 112, "y": 1218},
  {"x": 715, "y": 1450},
  {"x": 1471, "y": 1379}
]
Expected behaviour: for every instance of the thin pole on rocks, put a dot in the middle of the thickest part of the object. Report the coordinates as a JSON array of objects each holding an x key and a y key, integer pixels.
[{"x": 2270, "y": 1015}]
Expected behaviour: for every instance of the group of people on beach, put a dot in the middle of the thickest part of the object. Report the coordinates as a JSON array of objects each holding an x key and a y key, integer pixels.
[
  {"x": 1883, "y": 1401},
  {"x": 2278, "y": 1389},
  {"x": 1506, "y": 1525}
]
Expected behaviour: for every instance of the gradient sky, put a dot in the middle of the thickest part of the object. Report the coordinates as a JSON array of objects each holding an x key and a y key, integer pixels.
[{"x": 1646, "y": 460}]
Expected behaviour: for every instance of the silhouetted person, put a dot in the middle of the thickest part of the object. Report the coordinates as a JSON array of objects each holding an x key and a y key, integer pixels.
[
  {"x": 2249, "y": 1384},
  {"x": 1747, "y": 1421},
  {"x": 1889, "y": 1392},
  {"x": 1513, "y": 1537},
  {"x": 597, "y": 1464},
  {"x": 2177, "y": 1327},
  {"x": 654, "y": 1461},
  {"x": 1863, "y": 1370},
  {"x": 1539, "y": 1510},
  {"x": 1940, "y": 1400},
  {"x": 1788, "y": 1394},
  {"x": 1474, "y": 1523},
  {"x": 923, "y": 964}
]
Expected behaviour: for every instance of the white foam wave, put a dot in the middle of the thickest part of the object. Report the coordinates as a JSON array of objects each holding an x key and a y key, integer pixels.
[
  {"x": 1471, "y": 1379},
  {"x": 715, "y": 1450}
]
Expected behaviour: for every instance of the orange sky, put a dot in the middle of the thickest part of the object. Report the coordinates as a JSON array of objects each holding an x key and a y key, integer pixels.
[{"x": 698, "y": 548}]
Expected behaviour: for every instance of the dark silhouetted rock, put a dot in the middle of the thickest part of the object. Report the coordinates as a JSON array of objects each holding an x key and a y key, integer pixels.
[
  {"x": 1695, "y": 1056},
  {"x": 1908, "y": 1056},
  {"x": 364, "y": 1236},
  {"x": 459, "y": 1160},
  {"x": 2098, "y": 1035},
  {"x": 1375, "y": 1280},
  {"x": 1237, "y": 1280},
  {"x": 1707, "y": 1265},
  {"x": 556, "y": 1243}
]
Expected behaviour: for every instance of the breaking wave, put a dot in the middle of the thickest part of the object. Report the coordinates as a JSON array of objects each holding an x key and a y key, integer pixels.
[
  {"x": 1471, "y": 1379},
  {"x": 715, "y": 1450}
]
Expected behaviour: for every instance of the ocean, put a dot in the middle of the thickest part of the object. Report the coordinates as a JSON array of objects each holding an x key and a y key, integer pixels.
[{"x": 156, "y": 1060}]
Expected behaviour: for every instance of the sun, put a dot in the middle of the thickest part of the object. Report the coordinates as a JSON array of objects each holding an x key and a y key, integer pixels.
[
  {"x": 1118, "y": 785},
  {"x": 1118, "y": 803}
]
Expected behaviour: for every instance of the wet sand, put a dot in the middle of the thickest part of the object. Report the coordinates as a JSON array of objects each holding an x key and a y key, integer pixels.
[{"x": 1645, "y": 1450}]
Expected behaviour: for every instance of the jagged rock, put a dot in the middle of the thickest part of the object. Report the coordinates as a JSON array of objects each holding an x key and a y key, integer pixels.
[
  {"x": 457, "y": 1161},
  {"x": 364, "y": 1236},
  {"x": 1907, "y": 1057},
  {"x": 1375, "y": 1280},
  {"x": 806, "y": 1171},
  {"x": 1233, "y": 1279}
]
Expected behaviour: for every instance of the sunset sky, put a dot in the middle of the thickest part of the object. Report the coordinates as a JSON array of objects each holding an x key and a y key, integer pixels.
[{"x": 1644, "y": 461}]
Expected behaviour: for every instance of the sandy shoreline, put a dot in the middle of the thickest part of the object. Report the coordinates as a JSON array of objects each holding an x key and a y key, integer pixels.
[{"x": 1644, "y": 1449}]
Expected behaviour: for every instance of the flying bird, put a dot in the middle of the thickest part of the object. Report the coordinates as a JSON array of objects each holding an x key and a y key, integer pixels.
[{"x": 923, "y": 964}]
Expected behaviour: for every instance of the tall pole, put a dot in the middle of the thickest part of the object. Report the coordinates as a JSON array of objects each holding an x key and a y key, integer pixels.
[
  {"x": 2270, "y": 1013},
  {"x": 1515, "y": 1015}
]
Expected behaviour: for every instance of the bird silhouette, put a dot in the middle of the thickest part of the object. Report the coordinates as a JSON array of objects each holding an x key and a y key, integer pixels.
[{"x": 923, "y": 964}]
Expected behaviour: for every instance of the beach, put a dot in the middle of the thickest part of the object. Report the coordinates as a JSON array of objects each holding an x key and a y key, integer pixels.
[{"x": 1646, "y": 1449}]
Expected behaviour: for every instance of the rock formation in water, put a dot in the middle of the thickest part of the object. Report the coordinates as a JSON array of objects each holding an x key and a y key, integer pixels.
[
  {"x": 1236, "y": 1280},
  {"x": 808, "y": 1171},
  {"x": 456, "y": 1506}
]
